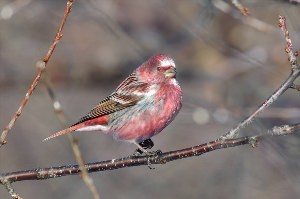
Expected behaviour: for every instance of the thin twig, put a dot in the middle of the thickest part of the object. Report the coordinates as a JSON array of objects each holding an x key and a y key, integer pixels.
[
  {"x": 59, "y": 35},
  {"x": 133, "y": 161},
  {"x": 10, "y": 189},
  {"x": 288, "y": 83},
  {"x": 289, "y": 46},
  {"x": 74, "y": 143},
  {"x": 249, "y": 20},
  {"x": 241, "y": 8},
  {"x": 284, "y": 129},
  {"x": 41, "y": 65}
]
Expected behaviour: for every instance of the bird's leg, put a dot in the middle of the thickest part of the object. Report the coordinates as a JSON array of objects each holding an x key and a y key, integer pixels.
[
  {"x": 146, "y": 144},
  {"x": 142, "y": 147}
]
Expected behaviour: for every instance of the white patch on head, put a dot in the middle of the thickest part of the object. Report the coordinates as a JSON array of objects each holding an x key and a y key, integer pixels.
[
  {"x": 167, "y": 62},
  {"x": 93, "y": 128}
]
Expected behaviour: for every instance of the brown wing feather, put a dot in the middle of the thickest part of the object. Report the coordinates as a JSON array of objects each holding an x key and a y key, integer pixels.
[
  {"x": 131, "y": 79},
  {"x": 122, "y": 98},
  {"x": 105, "y": 107}
]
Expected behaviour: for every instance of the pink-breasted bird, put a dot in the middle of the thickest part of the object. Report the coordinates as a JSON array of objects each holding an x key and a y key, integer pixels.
[{"x": 140, "y": 107}]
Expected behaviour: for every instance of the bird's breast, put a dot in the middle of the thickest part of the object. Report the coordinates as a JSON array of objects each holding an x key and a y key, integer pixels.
[{"x": 149, "y": 116}]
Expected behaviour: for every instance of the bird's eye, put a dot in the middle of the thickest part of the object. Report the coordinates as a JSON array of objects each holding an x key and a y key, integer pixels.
[{"x": 158, "y": 68}]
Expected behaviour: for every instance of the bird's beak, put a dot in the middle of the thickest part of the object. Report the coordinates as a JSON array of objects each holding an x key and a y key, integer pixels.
[{"x": 170, "y": 73}]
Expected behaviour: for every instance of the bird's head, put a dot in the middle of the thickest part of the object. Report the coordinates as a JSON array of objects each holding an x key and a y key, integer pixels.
[{"x": 158, "y": 69}]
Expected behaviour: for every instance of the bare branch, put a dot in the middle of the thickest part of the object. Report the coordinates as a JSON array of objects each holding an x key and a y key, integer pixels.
[
  {"x": 284, "y": 130},
  {"x": 133, "y": 161},
  {"x": 241, "y": 8},
  {"x": 74, "y": 143},
  {"x": 289, "y": 46},
  {"x": 41, "y": 65},
  {"x": 249, "y": 20},
  {"x": 288, "y": 83},
  {"x": 10, "y": 190}
]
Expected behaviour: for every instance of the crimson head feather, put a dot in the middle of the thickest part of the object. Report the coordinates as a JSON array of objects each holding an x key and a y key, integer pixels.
[{"x": 140, "y": 107}]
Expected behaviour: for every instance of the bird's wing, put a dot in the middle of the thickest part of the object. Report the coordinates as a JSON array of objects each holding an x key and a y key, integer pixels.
[
  {"x": 124, "y": 97},
  {"x": 131, "y": 79}
]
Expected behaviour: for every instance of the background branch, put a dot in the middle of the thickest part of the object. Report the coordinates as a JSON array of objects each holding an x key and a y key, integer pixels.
[
  {"x": 251, "y": 21},
  {"x": 74, "y": 142},
  {"x": 241, "y": 8},
  {"x": 10, "y": 189},
  {"x": 41, "y": 66},
  {"x": 289, "y": 46},
  {"x": 288, "y": 83}
]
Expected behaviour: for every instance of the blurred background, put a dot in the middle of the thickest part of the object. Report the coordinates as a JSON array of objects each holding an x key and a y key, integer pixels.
[{"x": 228, "y": 65}]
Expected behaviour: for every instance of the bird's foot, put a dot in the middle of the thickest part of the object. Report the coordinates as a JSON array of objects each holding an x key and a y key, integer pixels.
[
  {"x": 150, "y": 155},
  {"x": 142, "y": 149}
]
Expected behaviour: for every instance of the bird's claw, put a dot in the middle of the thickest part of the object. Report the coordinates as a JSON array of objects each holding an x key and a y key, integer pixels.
[
  {"x": 138, "y": 152},
  {"x": 152, "y": 154},
  {"x": 149, "y": 155},
  {"x": 142, "y": 150}
]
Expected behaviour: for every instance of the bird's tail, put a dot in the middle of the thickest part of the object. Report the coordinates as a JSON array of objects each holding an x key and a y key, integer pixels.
[{"x": 68, "y": 130}]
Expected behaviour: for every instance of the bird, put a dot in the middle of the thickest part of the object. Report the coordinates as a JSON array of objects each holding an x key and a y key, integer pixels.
[{"x": 140, "y": 107}]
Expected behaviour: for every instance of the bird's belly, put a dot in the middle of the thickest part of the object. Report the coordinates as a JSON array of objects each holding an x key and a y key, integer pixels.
[{"x": 142, "y": 120}]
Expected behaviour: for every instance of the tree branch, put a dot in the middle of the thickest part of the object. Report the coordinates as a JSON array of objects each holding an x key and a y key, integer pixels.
[
  {"x": 11, "y": 190},
  {"x": 41, "y": 65},
  {"x": 133, "y": 161},
  {"x": 292, "y": 57},
  {"x": 288, "y": 83},
  {"x": 74, "y": 143},
  {"x": 251, "y": 21},
  {"x": 241, "y": 8}
]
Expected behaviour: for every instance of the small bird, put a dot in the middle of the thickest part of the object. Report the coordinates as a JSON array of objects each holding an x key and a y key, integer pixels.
[{"x": 140, "y": 107}]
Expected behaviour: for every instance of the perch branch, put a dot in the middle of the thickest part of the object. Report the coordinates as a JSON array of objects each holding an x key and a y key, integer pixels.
[
  {"x": 41, "y": 65},
  {"x": 133, "y": 161}
]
